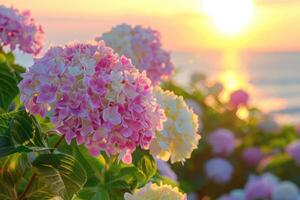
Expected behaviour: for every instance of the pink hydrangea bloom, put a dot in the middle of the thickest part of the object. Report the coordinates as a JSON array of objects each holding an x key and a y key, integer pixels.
[
  {"x": 293, "y": 150},
  {"x": 239, "y": 98},
  {"x": 252, "y": 156},
  {"x": 261, "y": 187},
  {"x": 94, "y": 96},
  {"x": 18, "y": 29},
  {"x": 218, "y": 170},
  {"x": 222, "y": 142},
  {"x": 143, "y": 47}
]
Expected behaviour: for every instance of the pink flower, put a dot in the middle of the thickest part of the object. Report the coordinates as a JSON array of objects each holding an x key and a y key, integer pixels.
[
  {"x": 47, "y": 94},
  {"x": 252, "y": 156},
  {"x": 239, "y": 98},
  {"x": 112, "y": 115},
  {"x": 18, "y": 29},
  {"x": 261, "y": 187},
  {"x": 83, "y": 88},
  {"x": 143, "y": 47},
  {"x": 222, "y": 142}
]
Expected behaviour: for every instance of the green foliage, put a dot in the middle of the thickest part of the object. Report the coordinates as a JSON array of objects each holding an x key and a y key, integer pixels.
[
  {"x": 57, "y": 174},
  {"x": 20, "y": 132},
  {"x": 9, "y": 78}
]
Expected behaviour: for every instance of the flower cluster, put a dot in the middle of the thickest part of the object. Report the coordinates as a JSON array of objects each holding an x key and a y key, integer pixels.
[
  {"x": 218, "y": 170},
  {"x": 239, "y": 98},
  {"x": 222, "y": 142},
  {"x": 293, "y": 150},
  {"x": 179, "y": 136},
  {"x": 94, "y": 96},
  {"x": 267, "y": 187},
  {"x": 156, "y": 192},
  {"x": 143, "y": 47},
  {"x": 18, "y": 29},
  {"x": 261, "y": 187},
  {"x": 252, "y": 156},
  {"x": 286, "y": 191}
]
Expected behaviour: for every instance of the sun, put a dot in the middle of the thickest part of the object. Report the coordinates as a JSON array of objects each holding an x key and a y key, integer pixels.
[{"x": 229, "y": 16}]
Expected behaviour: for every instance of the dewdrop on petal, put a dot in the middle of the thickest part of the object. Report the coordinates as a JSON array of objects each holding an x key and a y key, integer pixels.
[
  {"x": 95, "y": 97},
  {"x": 179, "y": 136},
  {"x": 156, "y": 192}
]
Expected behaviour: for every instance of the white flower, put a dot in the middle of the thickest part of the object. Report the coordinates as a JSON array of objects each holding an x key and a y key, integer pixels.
[
  {"x": 156, "y": 192},
  {"x": 179, "y": 136}
]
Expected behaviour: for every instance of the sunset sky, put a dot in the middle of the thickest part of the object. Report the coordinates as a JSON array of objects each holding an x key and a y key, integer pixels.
[{"x": 184, "y": 24}]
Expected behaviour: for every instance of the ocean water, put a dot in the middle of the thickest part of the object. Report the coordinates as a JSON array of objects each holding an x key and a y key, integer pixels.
[{"x": 271, "y": 78}]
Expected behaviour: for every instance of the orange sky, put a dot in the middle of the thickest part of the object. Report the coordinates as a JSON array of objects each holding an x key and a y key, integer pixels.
[{"x": 275, "y": 24}]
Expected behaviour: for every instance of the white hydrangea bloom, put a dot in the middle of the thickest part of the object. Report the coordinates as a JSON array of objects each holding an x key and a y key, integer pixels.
[
  {"x": 179, "y": 136},
  {"x": 285, "y": 191},
  {"x": 156, "y": 192}
]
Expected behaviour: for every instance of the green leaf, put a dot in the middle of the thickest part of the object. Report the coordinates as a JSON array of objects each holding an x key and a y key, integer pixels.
[
  {"x": 61, "y": 173},
  {"x": 14, "y": 168},
  {"x": 8, "y": 85},
  {"x": 145, "y": 165},
  {"x": 19, "y": 132}
]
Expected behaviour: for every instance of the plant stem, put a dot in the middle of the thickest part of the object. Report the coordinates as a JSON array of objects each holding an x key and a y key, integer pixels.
[
  {"x": 29, "y": 185},
  {"x": 58, "y": 142}
]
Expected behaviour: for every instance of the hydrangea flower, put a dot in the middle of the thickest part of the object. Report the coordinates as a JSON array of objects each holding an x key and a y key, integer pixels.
[
  {"x": 286, "y": 191},
  {"x": 222, "y": 142},
  {"x": 218, "y": 170},
  {"x": 237, "y": 194},
  {"x": 238, "y": 98},
  {"x": 165, "y": 169},
  {"x": 268, "y": 124},
  {"x": 94, "y": 96},
  {"x": 261, "y": 187},
  {"x": 252, "y": 156},
  {"x": 143, "y": 47},
  {"x": 156, "y": 192},
  {"x": 179, "y": 136},
  {"x": 293, "y": 150},
  {"x": 19, "y": 29}
]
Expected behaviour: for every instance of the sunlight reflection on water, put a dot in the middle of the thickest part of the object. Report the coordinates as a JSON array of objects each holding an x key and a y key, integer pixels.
[{"x": 252, "y": 73}]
